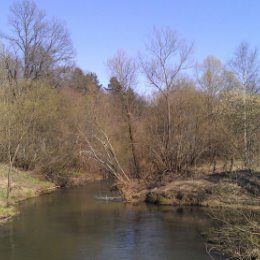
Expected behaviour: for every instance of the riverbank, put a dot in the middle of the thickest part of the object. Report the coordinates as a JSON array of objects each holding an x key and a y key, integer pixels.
[
  {"x": 24, "y": 185},
  {"x": 237, "y": 190}
]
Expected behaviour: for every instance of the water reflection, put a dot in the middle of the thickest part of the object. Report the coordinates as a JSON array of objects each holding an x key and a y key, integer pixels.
[{"x": 72, "y": 225}]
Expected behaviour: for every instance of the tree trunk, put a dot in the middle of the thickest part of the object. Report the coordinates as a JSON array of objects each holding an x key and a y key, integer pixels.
[
  {"x": 8, "y": 188},
  {"x": 168, "y": 133},
  {"x": 131, "y": 138},
  {"x": 246, "y": 157}
]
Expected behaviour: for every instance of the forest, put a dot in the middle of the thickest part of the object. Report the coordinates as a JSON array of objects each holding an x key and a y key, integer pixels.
[{"x": 59, "y": 122}]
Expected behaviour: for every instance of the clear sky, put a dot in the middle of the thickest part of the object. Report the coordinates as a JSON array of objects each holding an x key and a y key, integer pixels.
[{"x": 99, "y": 27}]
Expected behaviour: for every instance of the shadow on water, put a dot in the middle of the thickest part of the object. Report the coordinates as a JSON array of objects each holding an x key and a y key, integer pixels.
[{"x": 72, "y": 225}]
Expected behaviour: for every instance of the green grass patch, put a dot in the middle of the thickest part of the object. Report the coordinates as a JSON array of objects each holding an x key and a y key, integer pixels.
[
  {"x": 24, "y": 185},
  {"x": 7, "y": 211}
]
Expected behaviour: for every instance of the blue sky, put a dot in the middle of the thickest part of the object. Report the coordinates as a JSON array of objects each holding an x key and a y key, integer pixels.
[{"x": 99, "y": 27}]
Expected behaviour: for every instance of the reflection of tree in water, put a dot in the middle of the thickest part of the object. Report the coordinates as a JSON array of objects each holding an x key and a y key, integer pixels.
[{"x": 71, "y": 224}]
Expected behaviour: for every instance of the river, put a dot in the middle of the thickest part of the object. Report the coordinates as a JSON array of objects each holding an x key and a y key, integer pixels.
[{"x": 71, "y": 224}]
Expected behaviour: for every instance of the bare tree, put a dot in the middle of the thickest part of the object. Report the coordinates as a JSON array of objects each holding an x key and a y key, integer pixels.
[
  {"x": 236, "y": 235},
  {"x": 10, "y": 68},
  {"x": 40, "y": 44},
  {"x": 245, "y": 67},
  {"x": 167, "y": 57},
  {"x": 97, "y": 146},
  {"x": 211, "y": 78},
  {"x": 124, "y": 69}
]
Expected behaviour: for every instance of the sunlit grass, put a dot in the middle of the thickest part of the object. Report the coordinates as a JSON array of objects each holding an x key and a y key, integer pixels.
[{"x": 24, "y": 185}]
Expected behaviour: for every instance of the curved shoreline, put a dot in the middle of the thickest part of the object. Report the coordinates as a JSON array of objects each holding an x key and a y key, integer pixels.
[
  {"x": 215, "y": 191},
  {"x": 10, "y": 211},
  {"x": 26, "y": 185}
]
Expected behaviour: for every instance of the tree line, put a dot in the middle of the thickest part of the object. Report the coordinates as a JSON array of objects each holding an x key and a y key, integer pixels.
[{"x": 57, "y": 120}]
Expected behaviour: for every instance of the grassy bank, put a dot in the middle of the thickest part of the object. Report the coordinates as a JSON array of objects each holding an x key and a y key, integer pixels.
[
  {"x": 24, "y": 185},
  {"x": 240, "y": 189}
]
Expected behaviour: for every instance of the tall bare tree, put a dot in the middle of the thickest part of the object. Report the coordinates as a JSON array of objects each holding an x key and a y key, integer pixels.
[
  {"x": 211, "y": 79},
  {"x": 39, "y": 43},
  {"x": 245, "y": 67},
  {"x": 168, "y": 56}
]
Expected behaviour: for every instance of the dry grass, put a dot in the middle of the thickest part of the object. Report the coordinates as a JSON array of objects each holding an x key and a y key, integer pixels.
[
  {"x": 222, "y": 166},
  {"x": 239, "y": 189}
]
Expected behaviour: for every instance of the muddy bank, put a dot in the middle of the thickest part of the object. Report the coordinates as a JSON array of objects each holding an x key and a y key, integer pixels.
[{"x": 237, "y": 190}]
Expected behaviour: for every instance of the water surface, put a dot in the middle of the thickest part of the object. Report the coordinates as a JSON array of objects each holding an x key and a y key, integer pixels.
[{"x": 71, "y": 224}]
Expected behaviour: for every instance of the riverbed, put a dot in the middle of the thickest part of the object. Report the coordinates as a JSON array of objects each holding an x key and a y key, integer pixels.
[{"x": 71, "y": 224}]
